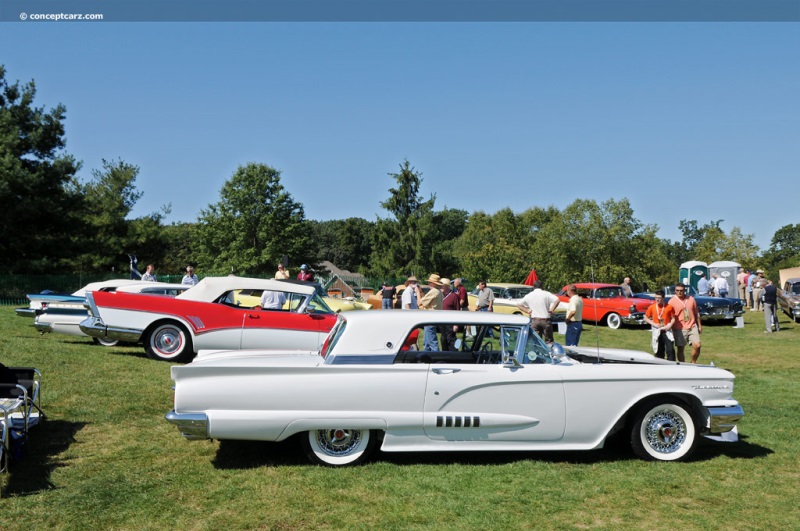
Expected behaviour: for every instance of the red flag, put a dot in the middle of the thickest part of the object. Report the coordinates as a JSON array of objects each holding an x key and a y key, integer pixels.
[{"x": 532, "y": 277}]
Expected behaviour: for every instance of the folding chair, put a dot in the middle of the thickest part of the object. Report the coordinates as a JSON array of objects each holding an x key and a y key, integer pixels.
[{"x": 20, "y": 407}]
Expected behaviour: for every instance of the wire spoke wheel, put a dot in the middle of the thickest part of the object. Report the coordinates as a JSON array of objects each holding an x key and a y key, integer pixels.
[
  {"x": 663, "y": 431},
  {"x": 339, "y": 446}
]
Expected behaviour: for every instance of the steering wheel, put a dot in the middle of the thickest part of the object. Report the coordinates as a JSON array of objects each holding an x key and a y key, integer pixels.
[{"x": 484, "y": 355}]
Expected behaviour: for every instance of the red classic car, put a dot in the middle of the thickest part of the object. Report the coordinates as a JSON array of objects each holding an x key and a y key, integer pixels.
[
  {"x": 605, "y": 303},
  {"x": 217, "y": 313}
]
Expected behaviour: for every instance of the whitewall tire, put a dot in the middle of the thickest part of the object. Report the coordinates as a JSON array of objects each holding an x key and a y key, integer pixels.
[
  {"x": 663, "y": 431},
  {"x": 339, "y": 446}
]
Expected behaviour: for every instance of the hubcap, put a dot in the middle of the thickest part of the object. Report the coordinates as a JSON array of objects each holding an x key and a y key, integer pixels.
[
  {"x": 665, "y": 431},
  {"x": 167, "y": 341},
  {"x": 338, "y": 442}
]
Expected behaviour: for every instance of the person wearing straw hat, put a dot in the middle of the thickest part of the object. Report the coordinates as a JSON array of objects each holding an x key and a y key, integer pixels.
[{"x": 431, "y": 301}]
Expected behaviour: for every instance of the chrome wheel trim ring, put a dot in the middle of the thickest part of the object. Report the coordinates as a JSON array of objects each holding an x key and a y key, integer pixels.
[
  {"x": 664, "y": 431},
  {"x": 167, "y": 341},
  {"x": 338, "y": 442}
]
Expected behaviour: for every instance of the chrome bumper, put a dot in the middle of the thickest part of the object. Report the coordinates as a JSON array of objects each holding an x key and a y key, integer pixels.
[
  {"x": 724, "y": 419},
  {"x": 26, "y": 312},
  {"x": 634, "y": 319},
  {"x": 95, "y": 327},
  {"x": 193, "y": 426}
]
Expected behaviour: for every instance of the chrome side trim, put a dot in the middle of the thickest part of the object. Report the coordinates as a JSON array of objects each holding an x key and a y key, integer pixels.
[
  {"x": 193, "y": 426},
  {"x": 95, "y": 327}
]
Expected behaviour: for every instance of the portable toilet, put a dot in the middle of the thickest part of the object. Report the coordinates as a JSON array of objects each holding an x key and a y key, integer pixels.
[
  {"x": 690, "y": 273},
  {"x": 727, "y": 270}
]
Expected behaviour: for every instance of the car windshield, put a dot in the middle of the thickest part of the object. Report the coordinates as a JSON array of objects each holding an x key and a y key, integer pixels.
[
  {"x": 795, "y": 289},
  {"x": 536, "y": 350}
]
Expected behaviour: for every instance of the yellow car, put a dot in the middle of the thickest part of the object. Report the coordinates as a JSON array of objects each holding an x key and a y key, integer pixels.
[
  {"x": 506, "y": 297},
  {"x": 245, "y": 298}
]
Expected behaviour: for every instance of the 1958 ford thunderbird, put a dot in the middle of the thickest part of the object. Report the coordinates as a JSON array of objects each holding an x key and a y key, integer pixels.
[{"x": 370, "y": 386}]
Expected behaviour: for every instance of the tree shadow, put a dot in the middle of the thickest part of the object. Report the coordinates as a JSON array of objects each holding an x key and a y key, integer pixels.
[{"x": 31, "y": 473}]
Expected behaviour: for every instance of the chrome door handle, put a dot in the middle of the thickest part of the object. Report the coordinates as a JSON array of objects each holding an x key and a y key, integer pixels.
[{"x": 446, "y": 371}]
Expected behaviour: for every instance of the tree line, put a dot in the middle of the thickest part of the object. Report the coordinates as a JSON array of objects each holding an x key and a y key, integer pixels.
[{"x": 53, "y": 221}]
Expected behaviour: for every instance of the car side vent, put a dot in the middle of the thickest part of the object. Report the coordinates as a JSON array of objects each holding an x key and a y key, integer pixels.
[{"x": 458, "y": 422}]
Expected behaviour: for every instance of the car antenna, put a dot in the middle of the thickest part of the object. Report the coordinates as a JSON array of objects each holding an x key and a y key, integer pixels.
[{"x": 597, "y": 324}]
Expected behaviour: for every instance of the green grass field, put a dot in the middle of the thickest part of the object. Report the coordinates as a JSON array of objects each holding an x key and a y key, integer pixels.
[{"x": 106, "y": 459}]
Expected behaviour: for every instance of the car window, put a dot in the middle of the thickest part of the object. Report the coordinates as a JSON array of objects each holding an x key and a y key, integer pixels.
[
  {"x": 607, "y": 293},
  {"x": 536, "y": 350},
  {"x": 517, "y": 293},
  {"x": 795, "y": 289},
  {"x": 318, "y": 305}
]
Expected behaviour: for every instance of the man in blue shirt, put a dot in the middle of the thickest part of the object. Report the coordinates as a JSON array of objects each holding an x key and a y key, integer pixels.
[{"x": 702, "y": 285}]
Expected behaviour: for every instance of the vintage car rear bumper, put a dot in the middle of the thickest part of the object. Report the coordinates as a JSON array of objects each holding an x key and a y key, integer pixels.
[
  {"x": 193, "y": 426},
  {"x": 26, "y": 312},
  {"x": 95, "y": 327},
  {"x": 724, "y": 419}
]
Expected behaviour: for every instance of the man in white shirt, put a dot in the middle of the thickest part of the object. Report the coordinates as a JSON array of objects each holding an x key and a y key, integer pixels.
[
  {"x": 409, "y": 297},
  {"x": 190, "y": 279},
  {"x": 540, "y": 305},
  {"x": 273, "y": 300},
  {"x": 721, "y": 286},
  {"x": 574, "y": 317}
]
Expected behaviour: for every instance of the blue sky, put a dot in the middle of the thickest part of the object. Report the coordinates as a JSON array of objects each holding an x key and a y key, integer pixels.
[{"x": 687, "y": 120}]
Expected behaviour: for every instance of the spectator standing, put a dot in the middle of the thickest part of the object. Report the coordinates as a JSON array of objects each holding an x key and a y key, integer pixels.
[
  {"x": 281, "y": 273},
  {"x": 721, "y": 286},
  {"x": 758, "y": 290},
  {"x": 388, "y": 294},
  {"x": 540, "y": 305},
  {"x": 461, "y": 291},
  {"x": 574, "y": 317},
  {"x": 703, "y": 285},
  {"x": 150, "y": 274},
  {"x": 750, "y": 279},
  {"x": 449, "y": 302},
  {"x": 770, "y": 301},
  {"x": 626, "y": 287},
  {"x": 485, "y": 301},
  {"x": 661, "y": 317},
  {"x": 190, "y": 279},
  {"x": 409, "y": 297},
  {"x": 305, "y": 274},
  {"x": 273, "y": 300},
  {"x": 741, "y": 285},
  {"x": 687, "y": 327},
  {"x": 430, "y": 301}
]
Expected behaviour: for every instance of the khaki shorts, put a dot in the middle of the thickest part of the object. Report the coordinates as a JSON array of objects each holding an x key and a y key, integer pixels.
[{"x": 690, "y": 335}]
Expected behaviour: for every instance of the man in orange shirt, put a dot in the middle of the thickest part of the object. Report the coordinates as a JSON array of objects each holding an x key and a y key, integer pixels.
[
  {"x": 687, "y": 327},
  {"x": 661, "y": 317}
]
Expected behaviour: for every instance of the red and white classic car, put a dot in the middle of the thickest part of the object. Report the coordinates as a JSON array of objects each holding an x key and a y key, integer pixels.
[
  {"x": 211, "y": 316},
  {"x": 605, "y": 303}
]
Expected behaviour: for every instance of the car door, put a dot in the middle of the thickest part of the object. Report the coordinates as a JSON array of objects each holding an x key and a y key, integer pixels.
[
  {"x": 494, "y": 402},
  {"x": 285, "y": 329}
]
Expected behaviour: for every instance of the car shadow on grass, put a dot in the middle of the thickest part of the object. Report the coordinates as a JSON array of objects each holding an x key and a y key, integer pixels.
[
  {"x": 30, "y": 472},
  {"x": 254, "y": 454}
]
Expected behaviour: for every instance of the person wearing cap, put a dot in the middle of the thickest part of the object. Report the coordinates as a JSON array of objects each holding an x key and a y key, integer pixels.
[
  {"x": 190, "y": 279},
  {"x": 281, "y": 273},
  {"x": 409, "y": 296},
  {"x": 758, "y": 290},
  {"x": 305, "y": 274},
  {"x": 430, "y": 301}
]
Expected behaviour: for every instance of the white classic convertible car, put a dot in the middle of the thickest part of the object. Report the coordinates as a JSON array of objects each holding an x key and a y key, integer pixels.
[{"x": 369, "y": 385}]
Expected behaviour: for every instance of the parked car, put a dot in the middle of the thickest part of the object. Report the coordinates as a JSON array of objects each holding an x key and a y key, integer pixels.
[
  {"x": 710, "y": 308},
  {"x": 605, "y": 304},
  {"x": 368, "y": 386},
  {"x": 789, "y": 298},
  {"x": 506, "y": 298},
  {"x": 211, "y": 315},
  {"x": 40, "y": 301},
  {"x": 376, "y": 300},
  {"x": 334, "y": 303},
  {"x": 62, "y": 314}
]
